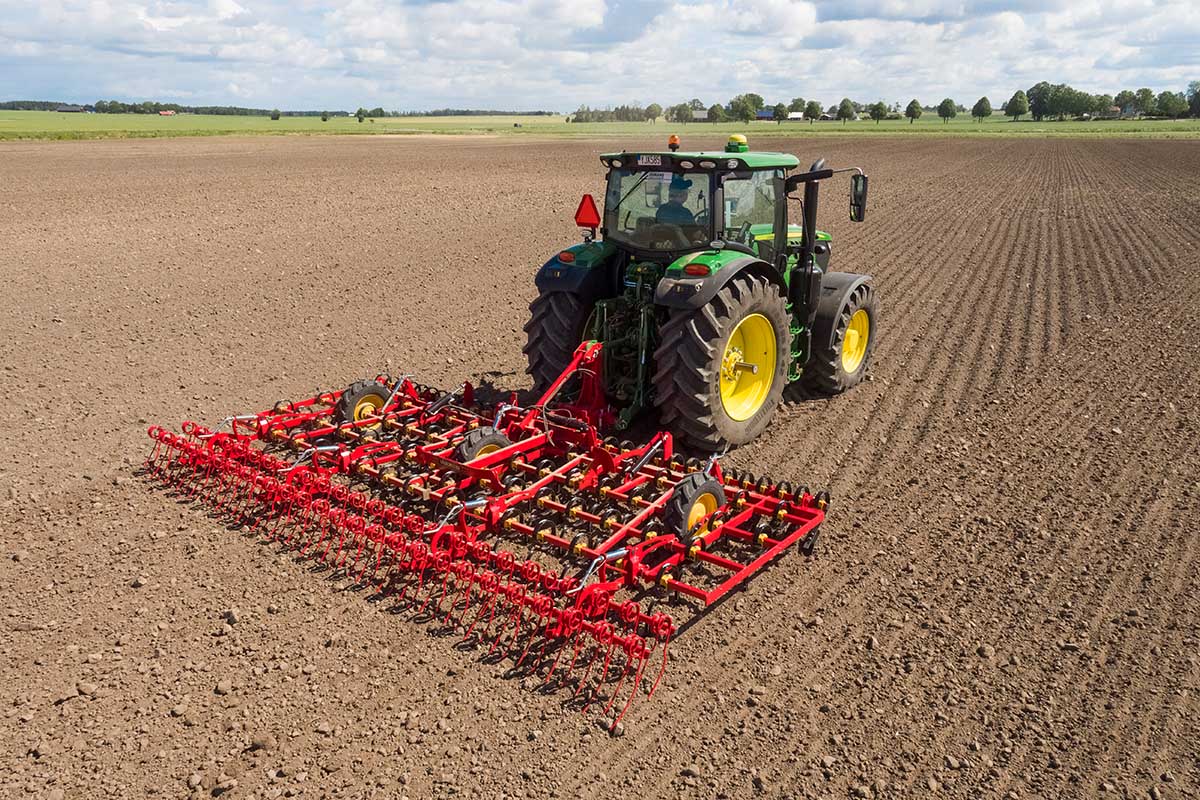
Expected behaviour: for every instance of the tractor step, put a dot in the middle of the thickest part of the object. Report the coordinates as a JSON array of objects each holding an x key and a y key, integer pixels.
[{"x": 550, "y": 545}]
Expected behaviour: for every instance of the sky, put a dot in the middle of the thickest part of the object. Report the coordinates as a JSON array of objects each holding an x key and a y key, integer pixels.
[{"x": 558, "y": 54}]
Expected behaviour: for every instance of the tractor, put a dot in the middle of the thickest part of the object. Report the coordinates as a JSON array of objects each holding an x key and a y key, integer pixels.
[{"x": 707, "y": 301}]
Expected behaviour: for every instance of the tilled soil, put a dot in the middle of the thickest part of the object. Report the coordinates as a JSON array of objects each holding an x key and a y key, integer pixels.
[{"x": 1004, "y": 601}]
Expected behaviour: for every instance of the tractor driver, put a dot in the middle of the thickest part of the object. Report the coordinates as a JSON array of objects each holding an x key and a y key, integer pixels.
[{"x": 674, "y": 212}]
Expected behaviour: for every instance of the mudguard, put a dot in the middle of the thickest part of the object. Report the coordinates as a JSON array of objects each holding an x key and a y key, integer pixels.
[
  {"x": 590, "y": 275},
  {"x": 690, "y": 292},
  {"x": 835, "y": 288}
]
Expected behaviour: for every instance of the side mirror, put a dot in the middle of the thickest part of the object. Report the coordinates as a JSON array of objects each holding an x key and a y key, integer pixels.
[{"x": 858, "y": 197}]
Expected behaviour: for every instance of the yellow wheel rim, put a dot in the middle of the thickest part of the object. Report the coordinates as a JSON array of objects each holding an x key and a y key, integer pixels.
[
  {"x": 854, "y": 346},
  {"x": 487, "y": 449},
  {"x": 368, "y": 406},
  {"x": 748, "y": 367},
  {"x": 704, "y": 505}
]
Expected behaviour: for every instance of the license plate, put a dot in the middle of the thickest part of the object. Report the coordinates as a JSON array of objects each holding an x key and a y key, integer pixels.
[{"x": 649, "y": 161}]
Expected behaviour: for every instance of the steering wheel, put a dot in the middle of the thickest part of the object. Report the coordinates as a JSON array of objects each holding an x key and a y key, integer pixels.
[
  {"x": 701, "y": 217},
  {"x": 661, "y": 230}
]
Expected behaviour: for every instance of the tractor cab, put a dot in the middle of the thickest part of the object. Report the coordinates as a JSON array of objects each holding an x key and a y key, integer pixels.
[{"x": 660, "y": 205}]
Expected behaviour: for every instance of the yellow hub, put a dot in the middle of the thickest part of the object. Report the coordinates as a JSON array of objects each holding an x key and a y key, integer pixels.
[
  {"x": 854, "y": 346},
  {"x": 368, "y": 406},
  {"x": 748, "y": 367},
  {"x": 487, "y": 449},
  {"x": 703, "y": 506}
]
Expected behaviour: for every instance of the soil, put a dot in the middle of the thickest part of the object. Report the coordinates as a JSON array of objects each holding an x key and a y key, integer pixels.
[{"x": 1004, "y": 601}]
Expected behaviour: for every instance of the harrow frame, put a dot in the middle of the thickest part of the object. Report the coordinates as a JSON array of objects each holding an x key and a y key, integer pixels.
[{"x": 388, "y": 500}]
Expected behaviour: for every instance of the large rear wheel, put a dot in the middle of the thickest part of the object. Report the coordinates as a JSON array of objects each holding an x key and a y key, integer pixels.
[
  {"x": 841, "y": 362},
  {"x": 557, "y": 322},
  {"x": 721, "y": 368}
]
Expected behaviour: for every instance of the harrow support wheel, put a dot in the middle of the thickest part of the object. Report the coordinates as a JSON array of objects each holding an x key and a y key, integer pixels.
[
  {"x": 843, "y": 338},
  {"x": 697, "y": 496},
  {"x": 361, "y": 399},
  {"x": 555, "y": 328},
  {"x": 722, "y": 368},
  {"x": 481, "y": 442}
]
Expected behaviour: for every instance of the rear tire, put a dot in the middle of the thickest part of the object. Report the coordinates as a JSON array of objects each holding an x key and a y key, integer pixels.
[
  {"x": 843, "y": 363},
  {"x": 554, "y": 331},
  {"x": 694, "y": 345}
]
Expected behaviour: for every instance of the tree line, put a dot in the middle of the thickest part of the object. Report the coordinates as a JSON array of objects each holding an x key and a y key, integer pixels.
[
  {"x": 1042, "y": 101},
  {"x": 154, "y": 107}
]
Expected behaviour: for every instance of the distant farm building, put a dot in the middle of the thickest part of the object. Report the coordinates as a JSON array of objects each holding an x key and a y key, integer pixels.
[
  {"x": 700, "y": 115},
  {"x": 767, "y": 114},
  {"x": 69, "y": 109},
  {"x": 166, "y": 113},
  {"x": 795, "y": 115}
]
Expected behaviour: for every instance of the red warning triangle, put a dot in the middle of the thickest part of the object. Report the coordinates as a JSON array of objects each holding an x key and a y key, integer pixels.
[{"x": 586, "y": 216}]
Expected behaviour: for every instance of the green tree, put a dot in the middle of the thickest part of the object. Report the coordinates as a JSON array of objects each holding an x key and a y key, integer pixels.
[
  {"x": 812, "y": 111},
  {"x": 1038, "y": 96},
  {"x": 361, "y": 114},
  {"x": 1193, "y": 96},
  {"x": 982, "y": 109},
  {"x": 1017, "y": 105},
  {"x": 755, "y": 100},
  {"x": 914, "y": 111},
  {"x": 653, "y": 112},
  {"x": 1144, "y": 102},
  {"x": 1124, "y": 99},
  {"x": 324, "y": 116},
  {"x": 797, "y": 104},
  {"x": 681, "y": 113},
  {"x": 696, "y": 104},
  {"x": 1172, "y": 104},
  {"x": 716, "y": 113},
  {"x": 275, "y": 114},
  {"x": 845, "y": 110},
  {"x": 1101, "y": 103},
  {"x": 375, "y": 112},
  {"x": 947, "y": 110},
  {"x": 878, "y": 111},
  {"x": 779, "y": 113},
  {"x": 741, "y": 108}
]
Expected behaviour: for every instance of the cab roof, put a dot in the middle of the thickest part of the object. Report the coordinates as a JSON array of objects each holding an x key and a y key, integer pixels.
[{"x": 718, "y": 158}]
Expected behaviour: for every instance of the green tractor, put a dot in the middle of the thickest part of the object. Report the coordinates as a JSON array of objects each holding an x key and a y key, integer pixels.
[{"x": 708, "y": 303}]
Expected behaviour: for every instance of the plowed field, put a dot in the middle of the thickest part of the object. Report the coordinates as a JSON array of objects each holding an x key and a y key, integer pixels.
[{"x": 1005, "y": 600}]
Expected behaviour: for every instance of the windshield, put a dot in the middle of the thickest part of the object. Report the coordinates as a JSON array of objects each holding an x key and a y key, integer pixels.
[{"x": 657, "y": 210}]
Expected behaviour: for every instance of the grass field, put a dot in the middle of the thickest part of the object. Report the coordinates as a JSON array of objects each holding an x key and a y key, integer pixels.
[{"x": 52, "y": 125}]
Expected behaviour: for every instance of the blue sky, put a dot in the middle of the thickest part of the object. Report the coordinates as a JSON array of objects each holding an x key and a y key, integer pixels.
[{"x": 557, "y": 54}]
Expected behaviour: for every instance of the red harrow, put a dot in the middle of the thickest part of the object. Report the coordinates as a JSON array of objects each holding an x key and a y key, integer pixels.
[{"x": 429, "y": 499}]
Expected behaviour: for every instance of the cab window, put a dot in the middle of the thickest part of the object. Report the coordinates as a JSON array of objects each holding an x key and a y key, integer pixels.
[{"x": 750, "y": 200}]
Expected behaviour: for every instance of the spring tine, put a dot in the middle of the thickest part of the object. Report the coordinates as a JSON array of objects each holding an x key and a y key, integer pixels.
[
  {"x": 593, "y": 649},
  {"x": 571, "y": 639},
  {"x": 488, "y": 605},
  {"x": 661, "y": 670},
  {"x": 454, "y": 598},
  {"x": 603, "y": 676},
  {"x": 617, "y": 689},
  {"x": 637, "y": 681}
]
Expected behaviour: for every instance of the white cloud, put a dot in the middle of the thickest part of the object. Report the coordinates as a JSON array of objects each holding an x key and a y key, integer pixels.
[{"x": 557, "y": 54}]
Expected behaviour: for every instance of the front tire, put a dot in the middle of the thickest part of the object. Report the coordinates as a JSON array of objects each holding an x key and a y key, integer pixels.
[
  {"x": 554, "y": 331},
  {"x": 722, "y": 368}
]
